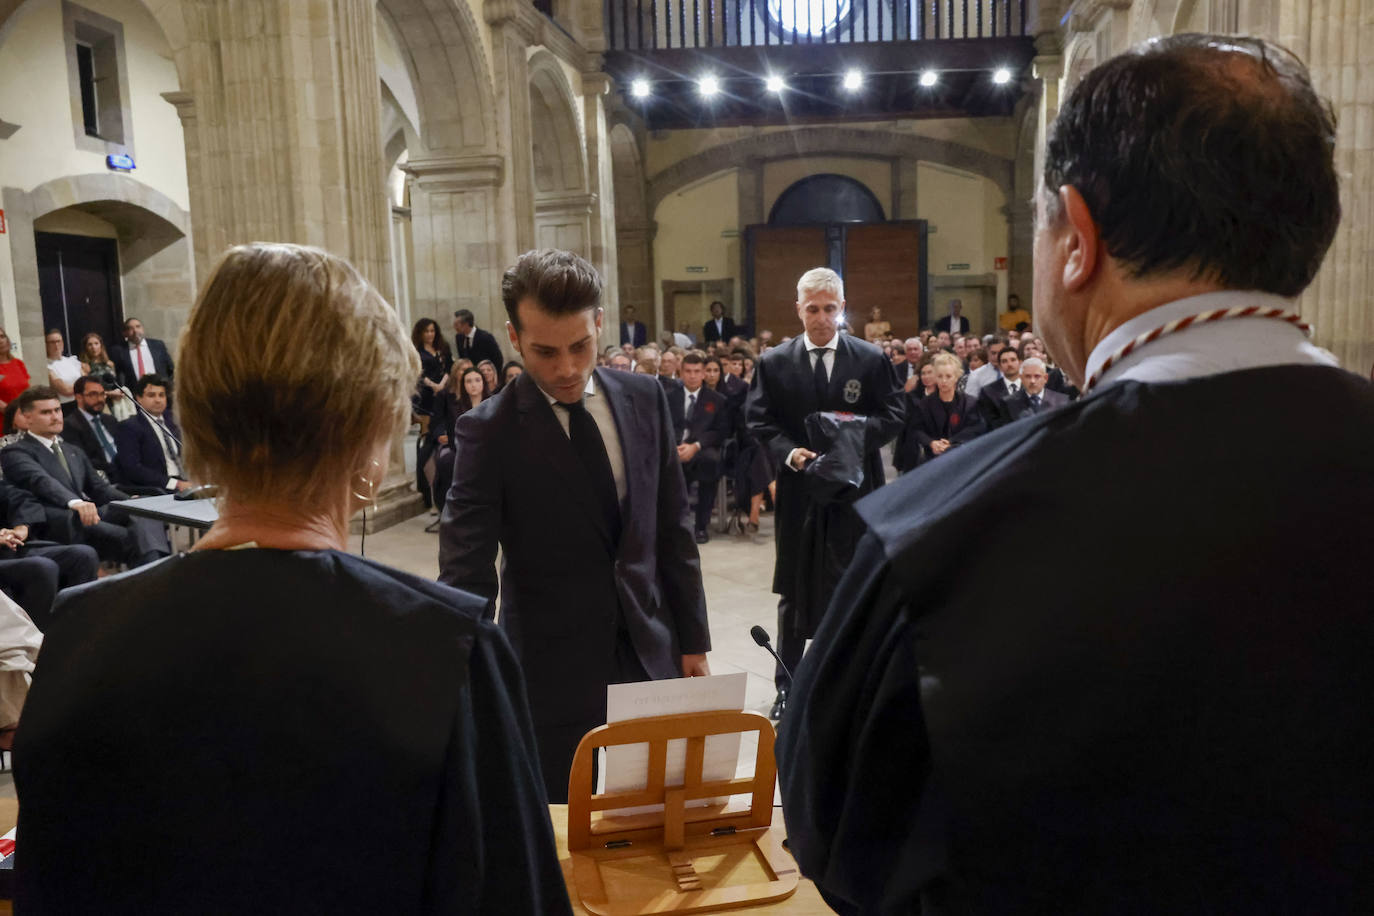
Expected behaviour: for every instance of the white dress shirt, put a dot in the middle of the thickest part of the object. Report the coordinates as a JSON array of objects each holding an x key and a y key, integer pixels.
[
  {"x": 173, "y": 465},
  {"x": 1207, "y": 349},
  {"x": 826, "y": 354},
  {"x": 600, "y": 410},
  {"x": 980, "y": 378},
  {"x": 142, "y": 348},
  {"x": 67, "y": 369}
]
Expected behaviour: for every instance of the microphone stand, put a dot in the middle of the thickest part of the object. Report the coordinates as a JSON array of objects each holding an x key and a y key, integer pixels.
[{"x": 761, "y": 637}]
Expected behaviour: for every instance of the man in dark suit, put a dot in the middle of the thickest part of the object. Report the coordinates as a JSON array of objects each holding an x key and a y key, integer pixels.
[
  {"x": 701, "y": 418},
  {"x": 819, "y": 370},
  {"x": 149, "y": 443},
  {"x": 474, "y": 343},
  {"x": 574, "y": 473},
  {"x": 90, "y": 427},
  {"x": 60, "y": 476},
  {"x": 721, "y": 327},
  {"x": 632, "y": 332},
  {"x": 140, "y": 355},
  {"x": 1034, "y": 397},
  {"x": 1173, "y": 724},
  {"x": 994, "y": 400},
  {"x": 912, "y": 364},
  {"x": 32, "y": 571},
  {"x": 952, "y": 323}
]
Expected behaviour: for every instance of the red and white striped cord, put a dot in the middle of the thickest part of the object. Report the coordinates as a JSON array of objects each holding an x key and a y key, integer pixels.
[{"x": 1249, "y": 311}]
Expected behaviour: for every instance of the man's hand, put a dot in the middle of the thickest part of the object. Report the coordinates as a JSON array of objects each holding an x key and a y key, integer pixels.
[
  {"x": 88, "y": 513},
  {"x": 687, "y": 451},
  {"x": 695, "y": 666},
  {"x": 8, "y": 538},
  {"x": 184, "y": 485},
  {"x": 912, "y": 381},
  {"x": 21, "y": 532},
  {"x": 802, "y": 456},
  {"x": 939, "y": 446}
]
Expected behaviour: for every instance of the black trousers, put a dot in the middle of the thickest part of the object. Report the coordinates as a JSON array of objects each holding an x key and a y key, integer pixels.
[
  {"x": 121, "y": 537},
  {"x": 705, "y": 470},
  {"x": 32, "y": 576},
  {"x": 791, "y": 645},
  {"x": 425, "y": 447}
]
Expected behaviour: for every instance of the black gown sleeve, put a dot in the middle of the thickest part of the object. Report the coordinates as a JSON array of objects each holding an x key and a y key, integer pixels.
[
  {"x": 494, "y": 849},
  {"x": 853, "y": 751}
]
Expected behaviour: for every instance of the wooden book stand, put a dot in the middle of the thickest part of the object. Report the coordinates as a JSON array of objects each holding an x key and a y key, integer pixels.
[{"x": 638, "y": 864}]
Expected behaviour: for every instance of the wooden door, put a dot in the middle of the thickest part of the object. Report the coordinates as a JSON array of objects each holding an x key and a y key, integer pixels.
[
  {"x": 78, "y": 284},
  {"x": 776, "y": 256},
  {"x": 882, "y": 268}
]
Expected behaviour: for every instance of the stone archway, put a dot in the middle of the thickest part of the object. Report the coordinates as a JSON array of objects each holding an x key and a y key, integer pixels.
[
  {"x": 634, "y": 230},
  {"x": 562, "y": 200}
]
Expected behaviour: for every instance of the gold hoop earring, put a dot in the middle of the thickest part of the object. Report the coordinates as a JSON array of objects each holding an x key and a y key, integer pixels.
[{"x": 371, "y": 485}]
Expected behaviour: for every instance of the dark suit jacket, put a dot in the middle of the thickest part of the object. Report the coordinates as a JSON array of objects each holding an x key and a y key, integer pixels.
[
  {"x": 710, "y": 421},
  {"x": 992, "y": 403},
  {"x": 19, "y": 508},
  {"x": 565, "y": 587},
  {"x": 927, "y": 421},
  {"x": 633, "y": 333},
  {"x": 781, "y": 397},
  {"x": 904, "y": 370},
  {"x": 27, "y": 464},
  {"x": 1020, "y": 406},
  {"x": 1171, "y": 729},
  {"x": 709, "y": 333},
  {"x": 77, "y": 430},
  {"x": 127, "y": 370},
  {"x": 140, "y": 457},
  {"x": 945, "y": 324},
  {"x": 258, "y": 701},
  {"x": 484, "y": 346}
]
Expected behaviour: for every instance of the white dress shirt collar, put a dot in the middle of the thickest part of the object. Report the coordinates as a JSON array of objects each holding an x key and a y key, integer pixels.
[
  {"x": 46, "y": 442},
  {"x": 1206, "y": 349},
  {"x": 806, "y": 339}
]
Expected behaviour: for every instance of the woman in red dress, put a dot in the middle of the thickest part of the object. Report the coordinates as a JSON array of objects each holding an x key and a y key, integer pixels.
[{"x": 14, "y": 375}]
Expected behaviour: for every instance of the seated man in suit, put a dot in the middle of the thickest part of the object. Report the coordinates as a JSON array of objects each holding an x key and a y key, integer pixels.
[
  {"x": 993, "y": 398},
  {"x": 140, "y": 355},
  {"x": 149, "y": 442},
  {"x": 60, "y": 476},
  {"x": 1034, "y": 397},
  {"x": 90, "y": 427},
  {"x": 701, "y": 418},
  {"x": 33, "y": 571}
]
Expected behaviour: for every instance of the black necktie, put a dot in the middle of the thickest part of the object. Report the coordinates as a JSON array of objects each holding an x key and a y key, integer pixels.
[
  {"x": 822, "y": 380},
  {"x": 1035, "y": 403},
  {"x": 591, "y": 451}
]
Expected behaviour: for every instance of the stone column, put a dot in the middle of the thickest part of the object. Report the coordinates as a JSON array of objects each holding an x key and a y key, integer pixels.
[
  {"x": 601, "y": 247},
  {"x": 455, "y": 231},
  {"x": 634, "y": 244},
  {"x": 905, "y": 180},
  {"x": 514, "y": 27},
  {"x": 1336, "y": 39}
]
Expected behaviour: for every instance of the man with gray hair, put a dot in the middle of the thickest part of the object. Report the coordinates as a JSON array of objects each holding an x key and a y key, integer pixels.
[
  {"x": 1033, "y": 398},
  {"x": 819, "y": 370},
  {"x": 911, "y": 368}
]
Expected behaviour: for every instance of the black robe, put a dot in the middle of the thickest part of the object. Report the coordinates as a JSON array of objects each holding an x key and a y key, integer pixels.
[
  {"x": 1114, "y": 658},
  {"x": 269, "y": 731}
]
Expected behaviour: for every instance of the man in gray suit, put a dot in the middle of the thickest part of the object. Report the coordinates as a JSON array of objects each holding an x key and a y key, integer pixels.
[{"x": 573, "y": 471}]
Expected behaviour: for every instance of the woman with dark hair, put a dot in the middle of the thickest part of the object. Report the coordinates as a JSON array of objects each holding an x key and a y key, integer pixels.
[
  {"x": 16, "y": 424},
  {"x": 511, "y": 371},
  {"x": 435, "y": 363},
  {"x": 469, "y": 388}
]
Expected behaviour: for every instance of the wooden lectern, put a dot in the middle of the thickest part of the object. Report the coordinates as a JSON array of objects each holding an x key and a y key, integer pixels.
[{"x": 681, "y": 859}]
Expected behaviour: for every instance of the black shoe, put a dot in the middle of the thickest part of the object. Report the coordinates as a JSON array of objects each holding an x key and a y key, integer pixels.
[
  {"x": 702, "y": 536},
  {"x": 779, "y": 706}
]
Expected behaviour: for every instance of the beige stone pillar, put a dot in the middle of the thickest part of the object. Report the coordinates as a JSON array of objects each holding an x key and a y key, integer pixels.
[
  {"x": 596, "y": 87},
  {"x": 514, "y": 27}
]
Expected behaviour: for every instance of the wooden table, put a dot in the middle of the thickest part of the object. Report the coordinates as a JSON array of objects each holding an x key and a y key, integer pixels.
[{"x": 805, "y": 902}]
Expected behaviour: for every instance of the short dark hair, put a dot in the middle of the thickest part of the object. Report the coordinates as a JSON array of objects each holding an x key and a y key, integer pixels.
[
  {"x": 129, "y": 319},
  {"x": 693, "y": 358},
  {"x": 465, "y": 316},
  {"x": 80, "y": 384},
  {"x": 31, "y": 396},
  {"x": 151, "y": 379},
  {"x": 1008, "y": 349},
  {"x": 560, "y": 282},
  {"x": 1203, "y": 152},
  {"x": 11, "y": 409}
]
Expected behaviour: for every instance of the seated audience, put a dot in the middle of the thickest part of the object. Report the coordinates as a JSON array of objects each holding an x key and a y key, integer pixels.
[
  {"x": 490, "y": 374},
  {"x": 466, "y": 392},
  {"x": 992, "y": 399},
  {"x": 97, "y": 364},
  {"x": 1034, "y": 397},
  {"x": 513, "y": 368},
  {"x": 90, "y": 427},
  {"x": 938, "y": 423},
  {"x": 876, "y": 328},
  {"x": 987, "y": 373},
  {"x": 63, "y": 371},
  {"x": 16, "y": 424},
  {"x": 77, "y": 501},
  {"x": 620, "y": 361},
  {"x": 14, "y": 375},
  {"x": 32, "y": 569},
  {"x": 646, "y": 360},
  {"x": 912, "y": 351},
  {"x": 221, "y": 732},
  {"x": 701, "y": 418},
  {"x": 436, "y": 364},
  {"x": 148, "y": 444}
]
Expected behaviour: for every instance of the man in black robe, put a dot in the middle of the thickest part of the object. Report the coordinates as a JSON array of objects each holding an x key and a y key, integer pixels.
[
  {"x": 819, "y": 370},
  {"x": 1179, "y": 723}
]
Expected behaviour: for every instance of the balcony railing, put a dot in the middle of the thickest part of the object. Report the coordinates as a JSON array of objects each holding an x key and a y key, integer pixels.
[{"x": 646, "y": 25}]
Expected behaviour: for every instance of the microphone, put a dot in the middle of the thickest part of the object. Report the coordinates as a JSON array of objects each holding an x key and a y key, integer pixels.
[{"x": 761, "y": 637}]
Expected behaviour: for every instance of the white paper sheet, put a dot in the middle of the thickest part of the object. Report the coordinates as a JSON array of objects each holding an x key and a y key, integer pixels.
[{"x": 626, "y": 765}]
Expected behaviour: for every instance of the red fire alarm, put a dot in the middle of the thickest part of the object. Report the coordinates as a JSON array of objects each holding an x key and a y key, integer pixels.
[
  {"x": 999, "y": 263},
  {"x": 2, "y": 222}
]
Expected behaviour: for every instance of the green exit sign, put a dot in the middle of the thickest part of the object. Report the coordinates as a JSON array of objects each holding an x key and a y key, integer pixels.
[{"x": 956, "y": 267}]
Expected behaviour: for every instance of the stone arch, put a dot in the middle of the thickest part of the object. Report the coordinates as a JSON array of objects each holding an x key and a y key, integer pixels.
[
  {"x": 1081, "y": 56},
  {"x": 442, "y": 47},
  {"x": 559, "y": 156},
  {"x": 828, "y": 141},
  {"x": 167, "y": 14}
]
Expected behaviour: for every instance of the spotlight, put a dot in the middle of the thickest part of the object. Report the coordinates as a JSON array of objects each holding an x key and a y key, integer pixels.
[
  {"x": 1002, "y": 76},
  {"x": 853, "y": 79},
  {"x": 708, "y": 86},
  {"x": 929, "y": 78},
  {"x": 640, "y": 89},
  {"x": 775, "y": 84}
]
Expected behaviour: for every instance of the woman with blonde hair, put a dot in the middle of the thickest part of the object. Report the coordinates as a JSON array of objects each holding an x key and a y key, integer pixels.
[
  {"x": 940, "y": 420},
  {"x": 96, "y": 363},
  {"x": 253, "y": 717}
]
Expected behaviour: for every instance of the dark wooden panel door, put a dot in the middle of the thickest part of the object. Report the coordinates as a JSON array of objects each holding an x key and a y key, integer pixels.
[
  {"x": 777, "y": 257},
  {"x": 78, "y": 283},
  {"x": 883, "y": 268}
]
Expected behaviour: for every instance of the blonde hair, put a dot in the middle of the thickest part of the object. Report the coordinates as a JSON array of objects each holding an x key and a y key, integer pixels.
[
  {"x": 820, "y": 279},
  {"x": 292, "y": 370},
  {"x": 948, "y": 359}
]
